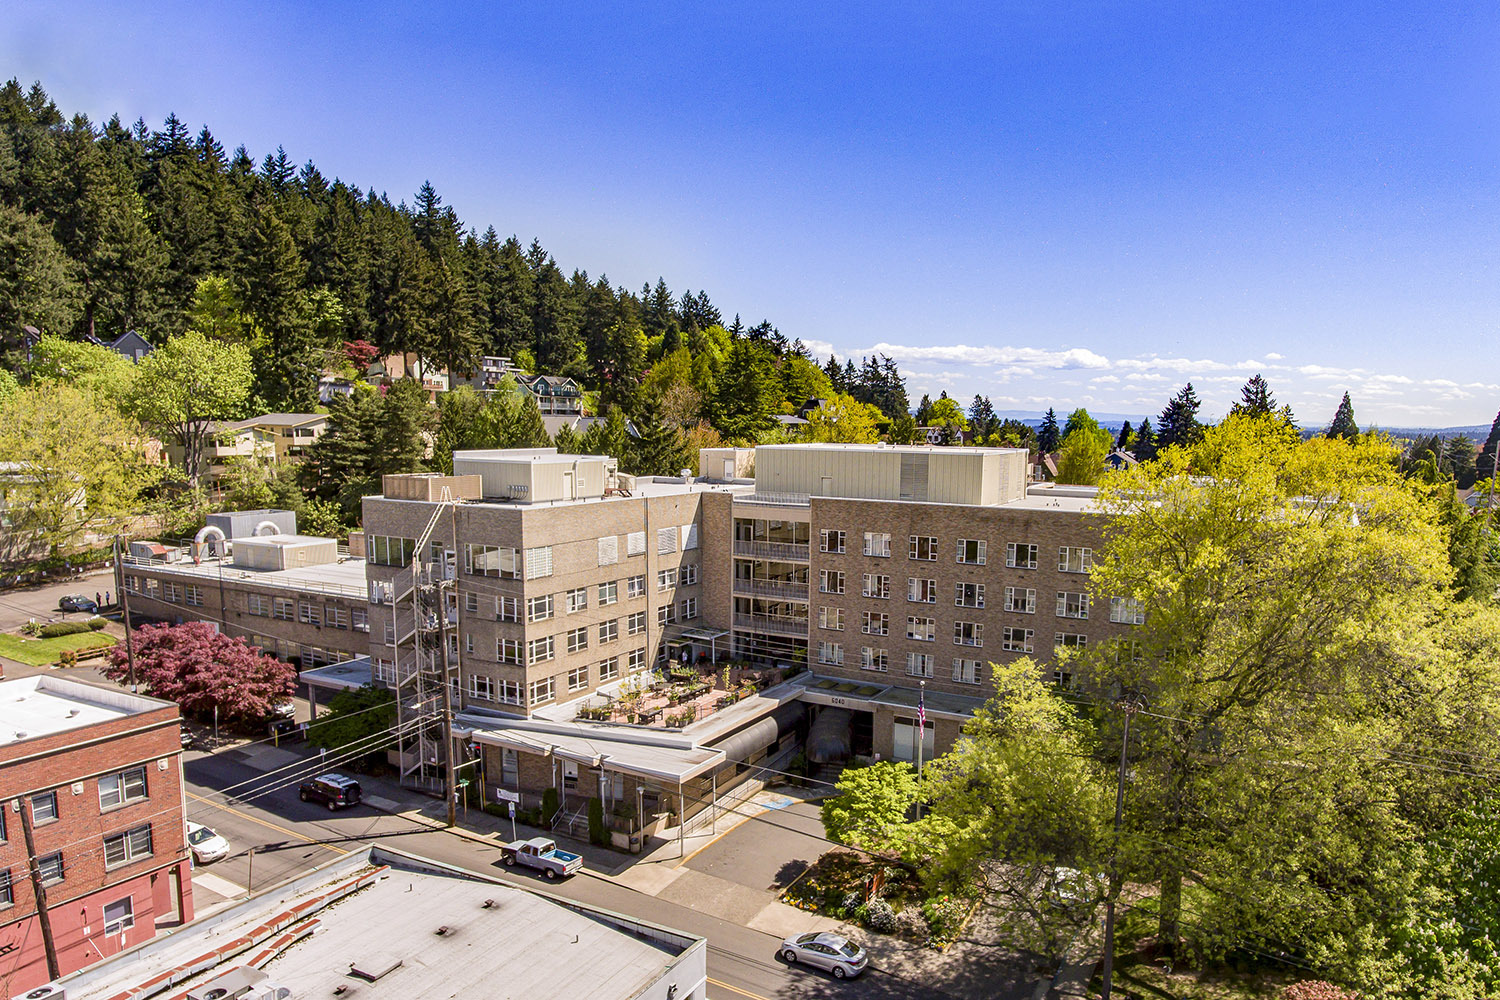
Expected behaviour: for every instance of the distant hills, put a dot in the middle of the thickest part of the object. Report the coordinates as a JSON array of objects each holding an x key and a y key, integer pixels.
[{"x": 1113, "y": 421}]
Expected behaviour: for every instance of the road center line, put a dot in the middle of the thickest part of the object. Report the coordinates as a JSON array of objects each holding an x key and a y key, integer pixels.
[
  {"x": 728, "y": 986},
  {"x": 266, "y": 823}
]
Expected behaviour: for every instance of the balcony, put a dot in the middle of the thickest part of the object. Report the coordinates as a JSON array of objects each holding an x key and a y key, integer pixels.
[
  {"x": 785, "y": 590},
  {"x": 774, "y": 624},
  {"x": 787, "y": 551}
]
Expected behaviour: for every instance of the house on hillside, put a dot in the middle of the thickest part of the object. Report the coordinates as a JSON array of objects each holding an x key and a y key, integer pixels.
[{"x": 131, "y": 344}]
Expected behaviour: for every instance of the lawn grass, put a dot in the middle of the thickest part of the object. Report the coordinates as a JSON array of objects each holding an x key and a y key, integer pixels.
[{"x": 40, "y": 652}]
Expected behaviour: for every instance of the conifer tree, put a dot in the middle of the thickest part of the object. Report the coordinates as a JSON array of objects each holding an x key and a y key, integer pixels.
[
  {"x": 1144, "y": 447},
  {"x": 924, "y": 410},
  {"x": 1123, "y": 440},
  {"x": 1485, "y": 465},
  {"x": 1343, "y": 425},
  {"x": 1255, "y": 399},
  {"x": 566, "y": 441},
  {"x": 1178, "y": 424},
  {"x": 1049, "y": 435}
]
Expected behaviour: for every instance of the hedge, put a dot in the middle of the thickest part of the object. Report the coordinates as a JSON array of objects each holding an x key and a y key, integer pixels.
[{"x": 55, "y": 629}]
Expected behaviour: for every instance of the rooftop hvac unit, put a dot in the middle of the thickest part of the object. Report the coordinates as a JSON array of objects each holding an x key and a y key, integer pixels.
[
  {"x": 236, "y": 984},
  {"x": 49, "y": 992}
]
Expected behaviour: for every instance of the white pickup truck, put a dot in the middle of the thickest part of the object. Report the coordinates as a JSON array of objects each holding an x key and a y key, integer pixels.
[{"x": 542, "y": 854}]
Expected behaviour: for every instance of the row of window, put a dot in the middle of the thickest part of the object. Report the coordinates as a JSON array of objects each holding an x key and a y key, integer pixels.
[
  {"x": 506, "y": 563},
  {"x": 114, "y": 790},
  {"x": 1018, "y": 600},
  {"x": 539, "y": 692},
  {"x": 968, "y": 551},
  {"x": 545, "y": 606},
  {"x": 308, "y": 612},
  {"x": 544, "y": 648},
  {"x": 965, "y": 670}
]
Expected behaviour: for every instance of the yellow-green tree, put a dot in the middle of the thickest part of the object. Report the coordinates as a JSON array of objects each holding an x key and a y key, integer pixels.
[
  {"x": 94, "y": 368},
  {"x": 1085, "y": 446},
  {"x": 842, "y": 418}
]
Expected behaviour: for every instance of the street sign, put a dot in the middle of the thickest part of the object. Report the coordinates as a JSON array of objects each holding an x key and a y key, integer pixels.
[
  {"x": 505, "y": 796},
  {"x": 463, "y": 782},
  {"x": 512, "y": 809}
]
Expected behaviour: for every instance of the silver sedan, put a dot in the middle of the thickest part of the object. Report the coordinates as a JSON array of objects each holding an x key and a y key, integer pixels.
[{"x": 838, "y": 955}]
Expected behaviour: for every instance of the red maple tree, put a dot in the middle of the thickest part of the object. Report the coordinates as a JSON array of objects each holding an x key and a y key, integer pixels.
[{"x": 199, "y": 668}]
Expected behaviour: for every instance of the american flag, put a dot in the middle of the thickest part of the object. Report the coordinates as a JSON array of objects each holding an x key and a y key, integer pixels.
[{"x": 921, "y": 711}]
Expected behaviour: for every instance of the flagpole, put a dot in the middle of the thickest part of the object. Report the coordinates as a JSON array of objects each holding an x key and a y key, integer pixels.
[{"x": 921, "y": 738}]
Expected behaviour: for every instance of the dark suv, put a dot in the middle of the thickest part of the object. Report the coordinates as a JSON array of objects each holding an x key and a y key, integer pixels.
[{"x": 333, "y": 790}]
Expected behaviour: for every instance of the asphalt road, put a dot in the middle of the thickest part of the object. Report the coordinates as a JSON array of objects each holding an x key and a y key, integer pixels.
[
  {"x": 19, "y": 605},
  {"x": 290, "y": 837}
]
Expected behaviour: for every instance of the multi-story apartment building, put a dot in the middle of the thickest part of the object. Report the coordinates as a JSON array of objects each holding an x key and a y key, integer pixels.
[
  {"x": 292, "y": 595},
  {"x": 567, "y": 575},
  {"x": 900, "y": 570},
  {"x": 91, "y": 777}
]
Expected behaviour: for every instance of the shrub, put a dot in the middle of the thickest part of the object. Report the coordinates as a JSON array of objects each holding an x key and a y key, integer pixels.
[
  {"x": 879, "y": 916},
  {"x": 56, "y": 629},
  {"x": 67, "y": 658},
  {"x": 549, "y": 804},
  {"x": 497, "y": 809},
  {"x": 598, "y": 832},
  {"x": 853, "y": 900},
  {"x": 96, "y": 623},
  {"x": 31, "y": 628}
]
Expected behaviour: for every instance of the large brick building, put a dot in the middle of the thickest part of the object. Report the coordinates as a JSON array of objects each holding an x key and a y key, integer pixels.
[{"x": 95, "y": 774}]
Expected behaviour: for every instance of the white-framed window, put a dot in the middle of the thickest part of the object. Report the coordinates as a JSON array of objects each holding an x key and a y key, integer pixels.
[
  {"x": 491, "y": 560},
  {"x": 258, "y": 605},
  {"x": 968, "y": 595},
  {"x": 967, "y": 671},
  {"x": 468, "y": 642},
  {"x": 666, "y": 579},
  {"x": 878, "y": 543},
  {"x": 194, "y": 595},
  {"x": 359, "y": 619},
  {"x": 609, "y": 631},
  {"x": 636, "y": 661},
  {"x": 875, "y": 623},
  {"x": 1069, "y": 640},
  {"x": 1127, "y": 611},
  {"x": 920, "y": 629},
  {"x": 635, "y": 623},
  {"x": 1020, "y": 555},
  {"x": 578, "y": 639},
  {"x": 830, "y": 541},
  {"x": 687, "y": 608},
  {"x": 666, "y": 541},
  {"x": 542, "y": 691},
  {"x": 1071, "y": 559},
  {"x": 831, "y": 619},
  {"x": 635, "y": 586},
  {"x": 508, "y": 692},
  {"x": 1072, "y": 605},
  {"x": 284, "y": 608},
  {"x": 635, "y": 543},
  {"x": 831, "y": 653},
  {"x": 919, "y": 664},
  {"x": 309, "y": 614},
  {"x": 385, "y": 671},
  {"x": 118, "y": 789},
  {"x": 123, "y": 848},
  {"x": 876, "y": 585},
  {"x": 335, "y": 617},
  {"x": 666, "y": 614},
  {"x": 609, "y": 550},
  {"x": 968, "y": 634},
  {"x": 971, "y": 551},
  {"x": 51, "y": 868},
  {"x": 481, "y": 687},
  {"x": 471, "y": 602},
  {"x": 171, "y": 592},
  {"x": 1020, "y": 600},
  {"x": 540, "y": 650},
  {"x": 1014, "y": 639},
  {"x": 119, "y": 916},
  {"x": 1129, "y": 651},
  {"x": 923, "y": 548},
  {"x": 921, "y": 591},
  {"x": 689, "y": 537},
  {"x": 538, "y": 562},
  {"x": 576, "y": 600},
  {"x": 44, "y": 807},
  {"x": 689, "y": 574},
  {"x": 387, "y": 550},
  {"x": 539, "y": 609},
  {"x": 830, "y": 581},
  {"x": 578, "y": 678},
  {"x": 508, "y": 650},
  {"x": 609, "y": 593},
  {"x": 871, "y": 658},
  {"x": 507, "y": 609},
  {"x": 390, "y": 633},
  {"x": 609, "y": 669}
]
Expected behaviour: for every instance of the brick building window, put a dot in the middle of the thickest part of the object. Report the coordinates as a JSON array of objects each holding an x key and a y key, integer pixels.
[
  {"x": 578, "y": 678},
  {"x": 51, "y": 867},
  {"x": 968, "y": 634},
  {"x": 44, "y": 807},
  {"x": 118, "y": 789},
  {"x": 830, "y": 541},
  {"x": 539, "y": 609},
  {"x": 635, "y": 586},
  {"x": 1020, "y": 600},
  {"x": 966, "y": 671},
  {"x": 874, "y": 659},
  {"x": 507, "y": 609},
  {"x": 666, "y": 579},
  {"x": 1020, "y": 555},
  {"x": 1071, "y": 605},
  {"x": 194, "y": 594},
  {"x": 609, "y": 593},
  {"x": 283, "y": 608},
  {"x": 969, "y": 595},
  {"x": 636, "y": 623},
  {"x": 831, "y": 653},
  {"x": 636, "y": 662},
  {"x": 123, "y": 848},
  {"x": 878, "y": 543},
  {"x": 921, "y": 591},
  {"x": 336, "y": 617},
  {"x": 875, "y": 623},
  {"x": 831, "y": 619},
  {"x": 971, "y": 551},
  {"x": 481, "y": 687},
  {"x": 119, "y": 916},
  {"x": 309, "y": 614},
  {"x": 830, "y": 581},
  {"x": 576, "y": 600},
  {"x": 1069, "y": 640},
  {"x": 1015, "y": 640},
  {"x": 508, "y": 650},
  {"x": 666, "y": 615},
  {"x": 258, "y": 604},
  {"x": 609, "y": 631},
  {"x": 689, "y": 574},
  {"x": 923, "y": 548},
  {"x": 540, "y": 650},
  {"x": 688, "y": 609},
  {"x": 876, "y": 585},
  {"x": 919, "y": 664},
  {"x": 1071, "y": 559},
  {"x": 542, "y": 691},
  {"x": 508, "y": 692},
  {"x": 7, "y": 894},
  {"x": 578, "y": 639},
  {"x": 920, "y": 629},
  {"x": 1127, "y": 611},
  {"x": 609, "y": 669},
  {"x": 359, "y": 619}
]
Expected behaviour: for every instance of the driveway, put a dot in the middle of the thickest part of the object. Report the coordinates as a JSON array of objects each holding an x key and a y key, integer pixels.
[
  {"x": 19, "y": 605},
  {"x": 767, "y": 851}
]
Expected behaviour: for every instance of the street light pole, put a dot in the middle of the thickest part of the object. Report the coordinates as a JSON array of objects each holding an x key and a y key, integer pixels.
[{"x": 124, "y": 593}]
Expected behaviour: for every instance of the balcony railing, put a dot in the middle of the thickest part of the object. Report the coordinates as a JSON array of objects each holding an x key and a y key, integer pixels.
[
  {"x": 788, "y": 551},
  {"x": 771, "y": 588},
  {"x": 776, "y": 624}
]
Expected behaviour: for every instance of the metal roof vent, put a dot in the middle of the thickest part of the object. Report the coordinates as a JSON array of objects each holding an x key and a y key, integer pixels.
[{"x": 374, "y": 967}]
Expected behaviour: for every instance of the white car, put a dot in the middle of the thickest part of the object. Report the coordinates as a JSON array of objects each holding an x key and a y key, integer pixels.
[
  {"x": 207, "y": 846},
  {"x": 838, "y": 955}
]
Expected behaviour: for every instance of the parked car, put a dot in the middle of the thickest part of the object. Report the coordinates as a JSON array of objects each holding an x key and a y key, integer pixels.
[
  {"x": 207, "y": 845},
  {"x": 333, "y": 790},
  {"x": 541, "y": 854},
  {"x": 77, "y": 602},
  {"x": 838, "y": 955}
]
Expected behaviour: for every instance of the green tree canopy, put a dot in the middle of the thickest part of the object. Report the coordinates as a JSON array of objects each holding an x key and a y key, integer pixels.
[
  {"x": 96, "y": 369},
  {"x": 842, "y": 418},
  {"x": 185, "y": 385},
  {"x": 871, "y": 805}
]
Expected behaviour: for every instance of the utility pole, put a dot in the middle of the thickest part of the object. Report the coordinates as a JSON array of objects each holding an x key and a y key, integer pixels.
[
  {"x": 54, "y": 971},
  {"x": 445, "y": 581},
  {"x": 1129, "y": 707},
  {"x": 124, "y": 593}
]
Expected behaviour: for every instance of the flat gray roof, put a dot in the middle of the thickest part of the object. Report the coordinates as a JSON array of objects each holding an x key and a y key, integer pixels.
[
  {"x": 878, "y": 449},
  {"x": 439, "y": 931},
  {"x": 346, "y": 578},
  {"x": 344, "y": 676},
  {"x": 43, "y": 704}
]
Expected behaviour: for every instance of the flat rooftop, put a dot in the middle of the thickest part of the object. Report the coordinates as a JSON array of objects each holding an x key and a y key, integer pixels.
[
  {"x": 885, "y": 449},
  {"x": 645, "y": 486},
  {"x": 382, "y": 923},
  {"x": 346, "y": 578},
  {"x": 43, "y": 705}
]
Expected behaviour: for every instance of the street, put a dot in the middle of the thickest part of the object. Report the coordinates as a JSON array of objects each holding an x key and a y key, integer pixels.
[{"x": 290, "y": 837}]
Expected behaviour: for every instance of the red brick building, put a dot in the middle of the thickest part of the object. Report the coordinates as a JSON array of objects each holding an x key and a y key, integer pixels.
[{"x": 98, "y": 773}]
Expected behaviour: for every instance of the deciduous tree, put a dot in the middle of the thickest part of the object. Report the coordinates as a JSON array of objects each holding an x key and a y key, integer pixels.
[
  {"x": 185, "y": 385},
  {"x": 201, "y": 669}
]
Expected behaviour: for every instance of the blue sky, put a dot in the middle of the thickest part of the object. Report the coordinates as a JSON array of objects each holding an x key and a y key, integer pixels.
[{"x": 1084, "y": 205}]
